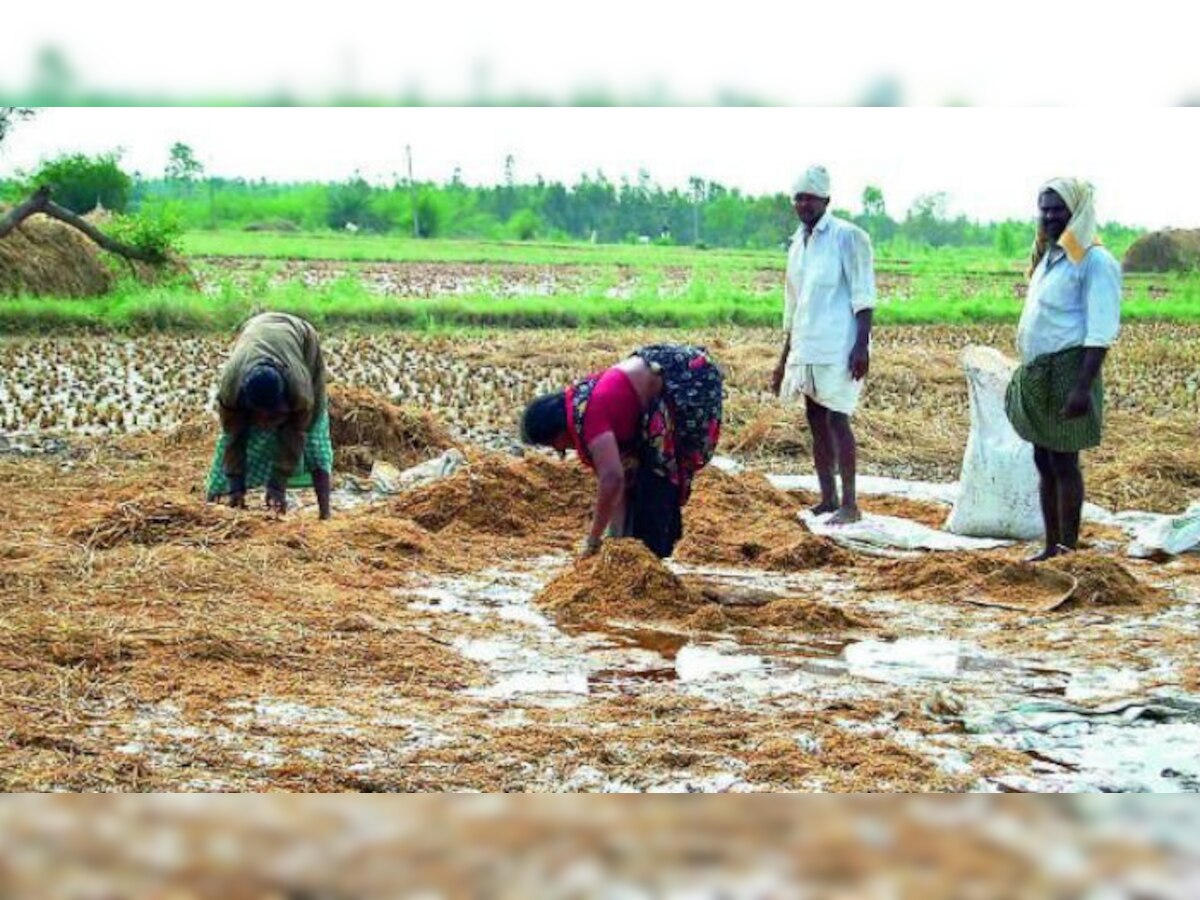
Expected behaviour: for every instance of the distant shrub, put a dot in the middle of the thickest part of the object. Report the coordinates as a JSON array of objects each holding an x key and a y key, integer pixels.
[{"x": 156, "y": 233}]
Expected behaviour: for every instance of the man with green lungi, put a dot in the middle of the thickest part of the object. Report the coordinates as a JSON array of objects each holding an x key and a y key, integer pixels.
[
  {"x": 1071, "y": 317},
  {"x": 274, "y": 415}
]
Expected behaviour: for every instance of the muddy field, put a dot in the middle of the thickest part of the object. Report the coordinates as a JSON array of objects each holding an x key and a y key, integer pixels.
[{"x": 443, "y": 638}]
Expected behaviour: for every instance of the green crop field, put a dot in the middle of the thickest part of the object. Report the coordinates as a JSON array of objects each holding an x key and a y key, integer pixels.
[{"x": 350, "y": 279}]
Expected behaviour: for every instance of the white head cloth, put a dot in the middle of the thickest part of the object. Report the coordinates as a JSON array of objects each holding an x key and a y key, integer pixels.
[{"x": 815, "y": 181}]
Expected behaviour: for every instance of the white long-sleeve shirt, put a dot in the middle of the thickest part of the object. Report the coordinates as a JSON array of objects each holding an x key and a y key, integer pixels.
[
  {"x": 829, "y": 280},
  {"x": 1070, "y": 305}
]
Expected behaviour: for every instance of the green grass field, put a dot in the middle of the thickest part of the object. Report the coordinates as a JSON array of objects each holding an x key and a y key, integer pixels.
[
  {"x": 709, "y": 299},
  {"x": 707, "y": 288}
]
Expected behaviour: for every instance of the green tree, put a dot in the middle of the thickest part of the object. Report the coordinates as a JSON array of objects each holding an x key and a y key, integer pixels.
[
  {"x": 182, "y": 165},
  {"x": 431, "y": 212},
  {"x": 81, "y": 183},
  {"x": 351, "y": 204},
  {"x": 524, "y": 224},
  {"x": 9, "y": 116},
  {"x": 1006, "y": 240},
  {"x": 872, "y": 201}
]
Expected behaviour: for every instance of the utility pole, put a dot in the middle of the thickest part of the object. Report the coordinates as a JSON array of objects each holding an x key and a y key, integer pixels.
[{"x": 412, "y": 193}]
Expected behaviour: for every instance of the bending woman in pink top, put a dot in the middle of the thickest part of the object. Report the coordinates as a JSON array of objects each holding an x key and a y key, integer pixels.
[{"x": 646, "y": 426}]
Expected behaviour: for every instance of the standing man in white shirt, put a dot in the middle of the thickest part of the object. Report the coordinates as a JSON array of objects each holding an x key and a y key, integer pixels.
[
  {"x": 829, "y": 297},
  {"x": 1071, "y": 317}
]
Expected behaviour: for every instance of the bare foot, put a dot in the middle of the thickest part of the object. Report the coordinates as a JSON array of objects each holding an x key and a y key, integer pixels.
[
  {"x": 825, "y": 506},
  {"x": 1049, "y": 553},
  {"x": 846, "y": 515}
]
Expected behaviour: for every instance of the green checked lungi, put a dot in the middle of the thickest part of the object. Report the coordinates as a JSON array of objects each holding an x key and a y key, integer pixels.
[
  {"x": 1035, "y": 398},
  {"x": 262, "y": 449}
]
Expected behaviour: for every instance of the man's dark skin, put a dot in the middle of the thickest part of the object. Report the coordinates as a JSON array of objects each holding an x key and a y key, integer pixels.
[
  {"x": 1060, "y": 480},
  {"x": 833, "y": 439}
]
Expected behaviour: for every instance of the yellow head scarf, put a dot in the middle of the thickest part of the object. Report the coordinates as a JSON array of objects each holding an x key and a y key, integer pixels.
[{"x": 1080, "y": 235}]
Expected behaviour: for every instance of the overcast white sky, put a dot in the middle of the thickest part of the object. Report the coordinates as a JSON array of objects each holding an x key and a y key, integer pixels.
[
  {"x": 1145, "y": 163},
  {"x": 1016, "y": 52}
]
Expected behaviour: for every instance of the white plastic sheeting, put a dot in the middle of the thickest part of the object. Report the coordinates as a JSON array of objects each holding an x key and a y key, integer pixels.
[{"x": 893, "y": 536}]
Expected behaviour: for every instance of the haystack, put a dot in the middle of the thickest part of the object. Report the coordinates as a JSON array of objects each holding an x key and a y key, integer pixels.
[
  {"x": 366, "y": 426},
  {"x": 744, "y": 520},
  {"x": 623, "y": 582},
  {"x": 1172, "y": 250},
  {"x": 534, "y": 498},
  {"x": 45, "y": 257}
]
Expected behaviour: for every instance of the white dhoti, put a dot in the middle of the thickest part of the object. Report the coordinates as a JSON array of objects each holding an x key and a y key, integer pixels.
[{"x": 830, "y": 385}]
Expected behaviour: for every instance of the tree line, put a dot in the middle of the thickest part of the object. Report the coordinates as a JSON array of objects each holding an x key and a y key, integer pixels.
[{"x": 593, "y": 208}]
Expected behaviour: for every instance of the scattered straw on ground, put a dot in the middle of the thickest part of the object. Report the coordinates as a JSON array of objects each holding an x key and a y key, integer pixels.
[
  {"x": 795, "y": 614},
  {"x": 1154, "y": 468},
  {"x": 160, "y": 519}
]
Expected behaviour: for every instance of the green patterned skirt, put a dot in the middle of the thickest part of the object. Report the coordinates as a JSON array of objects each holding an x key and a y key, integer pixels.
[
  {"x": 262, "y": 449},
  {"x": 1037, "y": 394}
]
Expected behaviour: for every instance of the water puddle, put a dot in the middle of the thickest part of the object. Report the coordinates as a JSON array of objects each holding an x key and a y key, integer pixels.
[{"x": 1044, "y": 709}]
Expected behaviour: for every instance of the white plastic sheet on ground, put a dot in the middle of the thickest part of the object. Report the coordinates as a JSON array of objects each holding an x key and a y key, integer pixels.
[
  {"x": 1154, "y": 534},
  {"x": 387, "y": 479},
  {"x": 929, "y": 491},
  {"x": 890, "y": 535},
  {"x": 998, "y": 488}
]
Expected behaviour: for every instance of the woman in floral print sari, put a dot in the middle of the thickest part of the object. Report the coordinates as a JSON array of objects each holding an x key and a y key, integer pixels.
[{"x": 646, "y": 426}]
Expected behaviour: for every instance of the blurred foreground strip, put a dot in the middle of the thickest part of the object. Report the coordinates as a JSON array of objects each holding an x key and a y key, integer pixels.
[{"x": 729, "y": 847}]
